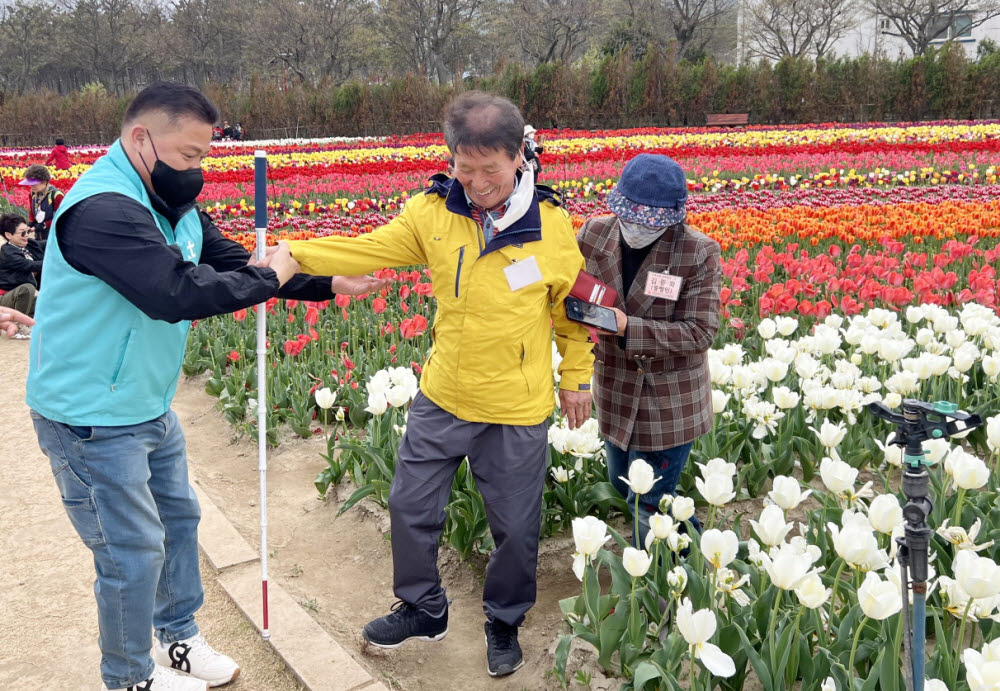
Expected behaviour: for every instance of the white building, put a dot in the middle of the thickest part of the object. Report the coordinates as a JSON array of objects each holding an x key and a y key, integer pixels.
[{"x": 869, "y": 37}]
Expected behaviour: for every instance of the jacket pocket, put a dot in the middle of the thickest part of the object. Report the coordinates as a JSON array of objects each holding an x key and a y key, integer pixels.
[
  {"x": 120, "y": 364},
  {"x": 526, "y": 371}
]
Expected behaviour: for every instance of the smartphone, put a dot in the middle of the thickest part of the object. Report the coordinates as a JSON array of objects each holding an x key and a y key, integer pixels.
[{"x": 591, "y": 314}]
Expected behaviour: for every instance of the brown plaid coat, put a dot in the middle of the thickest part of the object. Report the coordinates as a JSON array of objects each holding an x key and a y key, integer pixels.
[{"x": 657, "y": 393}]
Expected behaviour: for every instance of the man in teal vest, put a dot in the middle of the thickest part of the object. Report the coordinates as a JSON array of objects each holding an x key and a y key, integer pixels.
[{"x": 130, "y": 262}]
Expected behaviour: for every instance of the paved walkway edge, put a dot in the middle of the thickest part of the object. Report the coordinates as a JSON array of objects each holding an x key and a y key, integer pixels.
[{"x": 318, "y": 661}]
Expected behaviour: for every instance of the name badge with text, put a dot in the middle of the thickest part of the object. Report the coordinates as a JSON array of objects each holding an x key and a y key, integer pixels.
[
  {"x": 663, "y": 285},
  {"x": 523, "y": 273}
]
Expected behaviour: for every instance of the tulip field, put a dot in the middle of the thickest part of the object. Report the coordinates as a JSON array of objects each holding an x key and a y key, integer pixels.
[{"x": 860, "y": 265}]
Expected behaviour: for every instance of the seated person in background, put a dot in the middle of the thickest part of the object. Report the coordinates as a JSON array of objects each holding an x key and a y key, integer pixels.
[{"x": 18, "y": 266}]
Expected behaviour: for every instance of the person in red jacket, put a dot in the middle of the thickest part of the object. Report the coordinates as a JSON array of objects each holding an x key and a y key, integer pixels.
[{"x": 59, "y": 156}]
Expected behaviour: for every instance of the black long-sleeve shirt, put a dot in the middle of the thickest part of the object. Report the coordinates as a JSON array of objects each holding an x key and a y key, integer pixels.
[
  {"x": 114, "y": 238},
  {"x": 16, "y": 268}
]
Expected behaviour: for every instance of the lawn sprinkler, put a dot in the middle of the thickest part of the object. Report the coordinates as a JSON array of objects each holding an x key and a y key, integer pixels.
[{"x": 918, "y": 423}]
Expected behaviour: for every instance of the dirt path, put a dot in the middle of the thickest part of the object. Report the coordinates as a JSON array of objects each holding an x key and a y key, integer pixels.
[
  {"x": 340, "y": 570},
  {"x": 48, "y": 637}
]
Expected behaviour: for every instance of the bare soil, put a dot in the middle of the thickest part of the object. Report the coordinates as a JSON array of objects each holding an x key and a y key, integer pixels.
[
  {"x": 340, "y": 569},
  {"x": 48, "y": 632}
]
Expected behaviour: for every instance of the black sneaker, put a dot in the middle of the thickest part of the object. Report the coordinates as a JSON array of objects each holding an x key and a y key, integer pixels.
[
  {"x": 403, "y": 623},
  {"x": 503, "y": 654}
]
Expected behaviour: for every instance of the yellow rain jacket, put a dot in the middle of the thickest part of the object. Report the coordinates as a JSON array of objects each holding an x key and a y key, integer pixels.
[{"x": 491, "y": 354}]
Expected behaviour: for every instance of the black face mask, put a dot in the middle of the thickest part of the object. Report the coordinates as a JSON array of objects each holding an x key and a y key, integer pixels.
[{"x": 177, "y": 188}]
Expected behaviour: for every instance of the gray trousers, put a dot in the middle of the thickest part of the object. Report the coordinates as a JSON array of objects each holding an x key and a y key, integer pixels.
[{"x": 508, "y": 463}]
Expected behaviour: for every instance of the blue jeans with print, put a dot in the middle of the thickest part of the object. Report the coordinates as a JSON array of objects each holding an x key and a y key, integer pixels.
[
  {"x": 126, "y": 492},
  {"x": 667, "y": 465}
]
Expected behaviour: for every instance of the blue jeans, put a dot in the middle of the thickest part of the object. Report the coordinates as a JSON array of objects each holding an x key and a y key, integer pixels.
[
  {"x": 667, "y": 465},
  {"x": 126, "y": 492}
]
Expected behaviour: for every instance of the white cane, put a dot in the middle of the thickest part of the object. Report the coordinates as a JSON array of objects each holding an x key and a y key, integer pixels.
[{"x": 260, "y": 222}]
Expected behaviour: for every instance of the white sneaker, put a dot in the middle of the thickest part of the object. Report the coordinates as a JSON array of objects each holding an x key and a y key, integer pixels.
[
  {"x": 195, "y": 657},
  {"x": 164, "y": 679}
]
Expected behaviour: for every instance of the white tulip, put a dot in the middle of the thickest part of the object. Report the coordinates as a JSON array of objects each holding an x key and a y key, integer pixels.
[
  {"x": 787, "y": 567},
  {"x": 697, "y": 628},
  {"x": 719, "y": 547},
  {"x": 855, "y": 542},
  {"x": 682, "y": 508},
  {"x": 767, "y": 328},
  {"x": 397, "y": 396},
  {"x": 717, "y": 489},
  {"x": 878, "y": 599},
  {"x": 830, "y": 435},
  {"x": 968, "y": 471},
  {"x": 991, "y": 365},
  {"x": 893, "y": 400},
  {"x": 661, "y": 526},
  {"x": 579, "y": 564},
  {"x": 787, "y": 493},
  {"x": 885, "y": 513},
  {"x": 811, "y": 592},
  {"x": 962, "y": 539},
  {"x": 717, "y": 465},
  {"x": 677, "y": 579},
  {"x": 775, "y": 370},
  {"x": 893, "y": 455},
  {"x": 915, "y": 314},
  {"x": 934, "y": 685},
  {"x": 978, "y": 576},
  {"x": 771, "y": 528},
  {"x": 325, "y": 398},
  {"x": 589, "y": 534},
  {"x": 636, "y": 562},
  {"x": 965, "y": 357},
  {"x": 993, "y": 433},
  {"x": 980, "y": 673},
  {"x": 837, "y": 475},
  {"x": 828, "y": 685},
  {"x": 678, "y": 541},
  {"x": 720, "y": 399},
  {"x": 935, "y": 450},
  {"x": 786, "y": 325},
  {"x": 377, "y": 404},
  {"x": 640, "y": 477},
  {"x": 560, "y": 474},
  {"x": 806, "y": 366},
  {"x": 785, "y": 398}
]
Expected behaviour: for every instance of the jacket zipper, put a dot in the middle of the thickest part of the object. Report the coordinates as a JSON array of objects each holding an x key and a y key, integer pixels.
[{"x": 458, "y": 273}]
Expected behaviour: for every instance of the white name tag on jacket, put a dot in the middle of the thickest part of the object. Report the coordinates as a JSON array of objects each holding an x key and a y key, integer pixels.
[
  {"x": 523, "y": 273},
  {"x": 663, "y": 285}
]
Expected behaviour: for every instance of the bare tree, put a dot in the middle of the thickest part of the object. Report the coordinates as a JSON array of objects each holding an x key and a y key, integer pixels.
[
  {"x": 114, "y": 39},
  {"x": 695, "y": 22},
  {"x": 308, "y": 38},
  {"x": 797, "y": 28},
  {"x": 554, "y": 30},
  {"x": 919, "y": 22},
  {"x": 426, "y": 31}
]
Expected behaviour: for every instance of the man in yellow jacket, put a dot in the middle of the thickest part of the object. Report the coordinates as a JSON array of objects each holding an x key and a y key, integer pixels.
[{"x": 502, "y": 257}]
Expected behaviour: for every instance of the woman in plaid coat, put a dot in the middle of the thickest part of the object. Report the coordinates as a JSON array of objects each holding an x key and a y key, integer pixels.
[{"x": 652, "y": 386}]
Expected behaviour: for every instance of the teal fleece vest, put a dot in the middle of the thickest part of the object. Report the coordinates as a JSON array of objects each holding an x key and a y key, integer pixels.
[{"x": 96, "y": 359}]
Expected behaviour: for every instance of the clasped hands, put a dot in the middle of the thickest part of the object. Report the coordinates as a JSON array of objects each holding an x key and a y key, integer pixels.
[{"x": 279, "y": 258}]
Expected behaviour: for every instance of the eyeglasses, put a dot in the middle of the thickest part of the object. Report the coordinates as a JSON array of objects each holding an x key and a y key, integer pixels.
[{"x": 23, "y": 233}]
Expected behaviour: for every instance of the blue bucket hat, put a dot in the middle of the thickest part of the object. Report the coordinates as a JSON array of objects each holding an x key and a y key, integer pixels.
[{"x": 652, "y": 191}]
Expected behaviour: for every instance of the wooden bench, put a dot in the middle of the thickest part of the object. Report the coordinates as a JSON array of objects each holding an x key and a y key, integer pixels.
[{"x": 726, "y": 119}]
